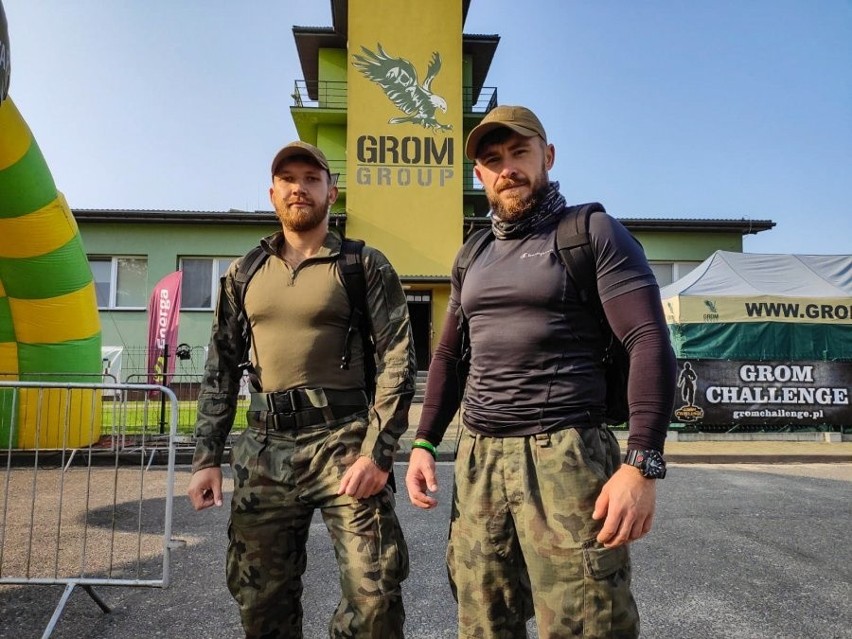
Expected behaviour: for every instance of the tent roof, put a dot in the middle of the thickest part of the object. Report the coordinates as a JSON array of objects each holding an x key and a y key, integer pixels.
[{"x": 726, "y": 273}]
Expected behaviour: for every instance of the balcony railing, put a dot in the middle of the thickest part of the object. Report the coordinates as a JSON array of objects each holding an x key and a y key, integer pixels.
[
  {"x": 333, "y": 95},
  {"x": 338, "y": 171},
  {"x": 470, "y": 181},
  {"x": 319, "y": 95},
  {"x": 486, "y": 100}
]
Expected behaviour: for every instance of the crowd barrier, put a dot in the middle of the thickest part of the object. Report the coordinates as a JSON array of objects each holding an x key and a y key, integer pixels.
[{"x": 75, "y": 508}]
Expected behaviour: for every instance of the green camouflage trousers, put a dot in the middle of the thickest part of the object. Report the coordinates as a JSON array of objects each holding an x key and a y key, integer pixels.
[
  {"x": 522, "y": 538},
  {"x": 279, "y": 479}
]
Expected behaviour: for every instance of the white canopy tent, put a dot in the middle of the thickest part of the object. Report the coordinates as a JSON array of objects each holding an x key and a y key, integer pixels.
[{"x": 741, "y": 305}]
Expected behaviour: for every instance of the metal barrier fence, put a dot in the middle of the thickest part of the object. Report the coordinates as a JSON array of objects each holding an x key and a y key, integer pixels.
[
  {"x": 185, "y": 388},
  {"x": 74, "y": 510}
]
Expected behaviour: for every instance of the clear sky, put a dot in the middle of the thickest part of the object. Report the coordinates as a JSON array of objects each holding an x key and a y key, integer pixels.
[{"x": 700, "y": 109}]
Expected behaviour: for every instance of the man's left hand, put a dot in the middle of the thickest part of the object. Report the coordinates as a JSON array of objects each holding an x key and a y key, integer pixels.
[
  {"x": 363, "y": 479},
  {"x": 627, "y": 501}
]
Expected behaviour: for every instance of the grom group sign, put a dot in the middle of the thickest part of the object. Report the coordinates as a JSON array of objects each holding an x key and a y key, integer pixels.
[
  {"x": 404, "y": 144},
  {"x": 763, "y": 392}
]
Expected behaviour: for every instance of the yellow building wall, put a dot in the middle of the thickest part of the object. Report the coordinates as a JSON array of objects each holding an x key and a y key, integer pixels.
[
  {"x": 404, "y": 136},
  {"x": 440, "y": 300}
]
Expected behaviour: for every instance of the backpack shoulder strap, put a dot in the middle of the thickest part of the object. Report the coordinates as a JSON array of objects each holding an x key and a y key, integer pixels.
[
  {"x": 470, "y": 250},
  {"x": 351, "y": 264},
  {"x": 246, "y": 268},
  {"x": 574, "y": 247}
]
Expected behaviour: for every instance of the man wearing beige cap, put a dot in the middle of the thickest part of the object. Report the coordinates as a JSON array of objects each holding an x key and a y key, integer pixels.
[
  {"x": 543, "y": 507},
  {"x": 303, "y": 314}
]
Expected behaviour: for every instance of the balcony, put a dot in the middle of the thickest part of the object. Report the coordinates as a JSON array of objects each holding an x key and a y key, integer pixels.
[
  {"x": 338, "y": 173},
  {"x": 471, "y": 184},
  {"x": 319, "y": 95},
  {"x": 479, "y": 102},
  {"x": 333, "y": 96}
]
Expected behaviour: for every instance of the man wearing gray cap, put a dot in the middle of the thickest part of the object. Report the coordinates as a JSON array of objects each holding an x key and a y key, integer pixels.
[
  {"x": 303, "y": 314},
  {"x": 543, "y": 507}
]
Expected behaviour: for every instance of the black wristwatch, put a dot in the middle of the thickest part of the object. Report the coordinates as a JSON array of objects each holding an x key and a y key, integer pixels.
[{"x": 650, "y": 462}]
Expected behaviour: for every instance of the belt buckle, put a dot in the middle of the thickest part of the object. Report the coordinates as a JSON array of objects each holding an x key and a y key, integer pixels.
[
  {"x": 281, "y": 402},
  {"x": 283, "y": 422},
  {"x": 292, "y": 400}
]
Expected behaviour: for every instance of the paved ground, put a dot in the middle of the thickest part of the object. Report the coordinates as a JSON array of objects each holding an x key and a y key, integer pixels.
[{"x": 739, "y": 551}]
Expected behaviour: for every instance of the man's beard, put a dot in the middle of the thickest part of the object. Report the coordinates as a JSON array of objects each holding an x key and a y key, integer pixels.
[
  {"x": 517, "y": 207},
  {"x": 301, "y": 219}
]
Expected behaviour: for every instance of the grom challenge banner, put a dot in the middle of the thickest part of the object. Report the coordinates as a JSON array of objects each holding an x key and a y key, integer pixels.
[{"x": 763, "y": 392}]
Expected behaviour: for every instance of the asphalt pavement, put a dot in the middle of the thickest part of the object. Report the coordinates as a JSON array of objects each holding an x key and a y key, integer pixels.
[{"x": 740, "y": 551}]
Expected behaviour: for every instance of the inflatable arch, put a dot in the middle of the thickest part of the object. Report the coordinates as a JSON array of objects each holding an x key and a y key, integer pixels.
[{"x": 49, "y": 324}]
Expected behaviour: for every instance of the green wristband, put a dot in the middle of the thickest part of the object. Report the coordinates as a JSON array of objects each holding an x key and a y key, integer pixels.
[{"x": 422, "y": 443}]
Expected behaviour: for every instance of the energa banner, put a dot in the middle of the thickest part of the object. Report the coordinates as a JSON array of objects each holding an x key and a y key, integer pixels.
[{"x": 163, "y": 321}]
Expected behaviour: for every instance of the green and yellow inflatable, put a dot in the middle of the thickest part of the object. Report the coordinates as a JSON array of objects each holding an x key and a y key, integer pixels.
[{"x": 49, "y": 325}]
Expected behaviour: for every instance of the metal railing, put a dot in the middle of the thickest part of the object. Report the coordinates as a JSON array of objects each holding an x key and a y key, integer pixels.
[
  {"x": 73, "y": 511},
  {"x": 326, "y": 94},
  {"x": 319, "y": 95},
  {"x": 338, "y": 168},
  {"x": 486, "y": 99},
  {"x": 139, "y": 413}
]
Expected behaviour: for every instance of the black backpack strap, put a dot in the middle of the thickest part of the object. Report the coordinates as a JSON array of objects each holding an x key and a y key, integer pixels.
[
  {"x": 246, "y": 268},
  {"x": 471, "y": 248},
  {"x": 575, "y": 250},
  {"x": 469, "y": 251},
  {"x": 574, "y": 246},
  {"x": 351, "y": 264}
]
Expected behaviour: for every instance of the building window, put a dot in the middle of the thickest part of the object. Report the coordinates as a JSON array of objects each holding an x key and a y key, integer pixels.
[
  {"x": 668, "y": 272},
  {"x": 200, "y": 284},
  {"x": 120, "y": 282}
]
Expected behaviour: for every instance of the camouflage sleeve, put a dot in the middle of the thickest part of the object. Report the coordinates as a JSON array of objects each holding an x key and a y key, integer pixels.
[
  {"x": 217, "y": 400},
  {"x": 396, "y": 363}
]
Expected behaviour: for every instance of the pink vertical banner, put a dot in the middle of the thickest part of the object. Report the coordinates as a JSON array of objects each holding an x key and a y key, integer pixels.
[{"x": 163, "y": 321}]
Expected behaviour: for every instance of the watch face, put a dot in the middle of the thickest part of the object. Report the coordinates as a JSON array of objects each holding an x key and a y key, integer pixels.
[
  {"x": 650, "y": 462},
  {"x": 654, "y": 465}
]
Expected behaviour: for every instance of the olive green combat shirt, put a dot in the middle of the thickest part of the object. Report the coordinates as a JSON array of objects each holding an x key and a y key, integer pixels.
[{"x": 299, "y": 319}]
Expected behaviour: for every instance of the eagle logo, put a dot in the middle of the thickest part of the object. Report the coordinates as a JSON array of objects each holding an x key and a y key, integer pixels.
[{"x": 398, "y": 79}]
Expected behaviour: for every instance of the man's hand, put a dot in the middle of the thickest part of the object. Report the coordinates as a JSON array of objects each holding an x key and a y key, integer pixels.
[
  {"x": 205, "y": 488},
  {"x": 420, "y": 478},
  {"x": 363, "y": 479},
  {"x": 627, "y": 501}
]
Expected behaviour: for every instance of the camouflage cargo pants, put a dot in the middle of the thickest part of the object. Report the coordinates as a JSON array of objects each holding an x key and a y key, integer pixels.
[
  {"x": 522, "y": 540},
  {"x": 279, "y": 480}
]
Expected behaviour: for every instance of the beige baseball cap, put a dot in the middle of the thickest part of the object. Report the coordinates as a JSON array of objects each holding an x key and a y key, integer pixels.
[
  {"x": 517, "y": 118},
  {"x": 302, "y": 149}
]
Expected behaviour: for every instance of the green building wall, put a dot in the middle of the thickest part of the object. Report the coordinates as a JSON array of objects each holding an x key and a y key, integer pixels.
[{"x": 164, "y": 245}]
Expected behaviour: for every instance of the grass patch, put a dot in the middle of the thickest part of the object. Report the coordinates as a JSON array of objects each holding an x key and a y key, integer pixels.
[{"x": 148, "y": 417}]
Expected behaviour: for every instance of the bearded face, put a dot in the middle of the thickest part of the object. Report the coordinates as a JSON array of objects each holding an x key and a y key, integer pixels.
[
  {"x": 514, "y": 197},
  {"x": 301, "y": 214},
  {"x": 301, "y": 195}
]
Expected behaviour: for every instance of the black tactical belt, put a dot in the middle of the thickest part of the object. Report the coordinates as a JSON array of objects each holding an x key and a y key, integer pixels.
[
  {"x": 304, "y": 408},
  {"x": 298, "y": 399},
  {"x": 310, "y": 418}
]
